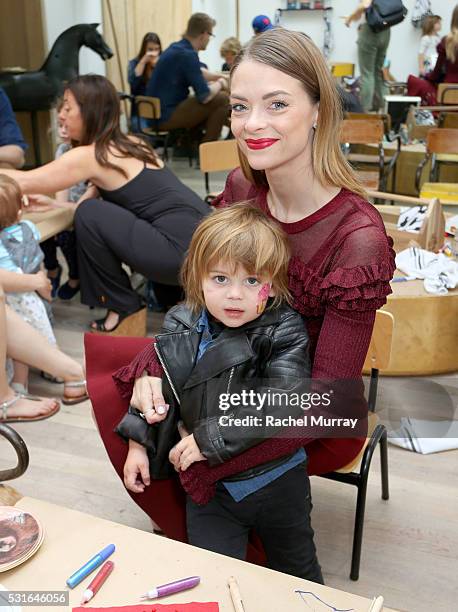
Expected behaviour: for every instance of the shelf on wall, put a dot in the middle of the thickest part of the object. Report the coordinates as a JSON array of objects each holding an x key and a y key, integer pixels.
[{"x": 298, "y": 10}]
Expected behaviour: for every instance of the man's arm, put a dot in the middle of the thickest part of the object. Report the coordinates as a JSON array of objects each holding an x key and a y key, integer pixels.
[{"x": 11, "y": 156}]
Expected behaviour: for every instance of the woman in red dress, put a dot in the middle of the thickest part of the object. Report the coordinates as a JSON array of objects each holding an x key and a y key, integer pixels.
[{"x": 286, "y": 119}]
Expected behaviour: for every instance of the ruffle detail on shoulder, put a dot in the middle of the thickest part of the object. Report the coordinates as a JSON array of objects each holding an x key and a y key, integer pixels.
[
  {"x": 361, "y": 288},
  {"x": 125, "y": 377}
]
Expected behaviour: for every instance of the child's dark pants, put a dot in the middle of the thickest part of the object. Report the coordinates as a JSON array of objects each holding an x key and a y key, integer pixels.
[{"x": 280, "y": 514}]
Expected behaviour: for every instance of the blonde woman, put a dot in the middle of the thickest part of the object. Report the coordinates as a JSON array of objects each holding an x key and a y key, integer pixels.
[
  {"x": 228, "y": 51},
  {"x": 286, "y": 119}
]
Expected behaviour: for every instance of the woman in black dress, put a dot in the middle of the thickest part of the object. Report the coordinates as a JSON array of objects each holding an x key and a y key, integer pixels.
[{"x": 136, "y": 212}]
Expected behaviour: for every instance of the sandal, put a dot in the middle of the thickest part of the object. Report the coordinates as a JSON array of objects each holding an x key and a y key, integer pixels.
[
  {"x": 50, "y": 378},
  {"x": 69, "y": 400},
  {"x": 129, "y": 324},
  {"x": 4, "y": 406}
]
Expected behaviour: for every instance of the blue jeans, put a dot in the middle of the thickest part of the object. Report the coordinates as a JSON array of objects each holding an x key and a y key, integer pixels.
[{"x": 280, "y": 515}]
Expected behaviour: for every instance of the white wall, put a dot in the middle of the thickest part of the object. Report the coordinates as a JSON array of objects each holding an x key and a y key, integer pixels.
[
  {"x": 62, "y": 14},
  {"x": 402, "y": 51}
]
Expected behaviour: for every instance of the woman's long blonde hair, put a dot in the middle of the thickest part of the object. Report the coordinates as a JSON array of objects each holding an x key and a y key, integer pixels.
[
  {"x": 296, "y": 55},
  {"x": 451, "y": 40}
]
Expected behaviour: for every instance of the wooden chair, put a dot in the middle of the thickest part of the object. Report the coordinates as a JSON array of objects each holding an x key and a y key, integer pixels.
[
  {"x": 149, "y": 108},
  {"x": 447, "y": 93},
  {"x": 356, "y": 473},
  {"x": 448, "y": 120},
  {"x": 217, "y": 156},
  {"x": 368, "y": 131},
  {"x": 441, "y": 149}
]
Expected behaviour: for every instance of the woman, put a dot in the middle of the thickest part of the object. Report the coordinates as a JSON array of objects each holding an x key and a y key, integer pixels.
[
  {"x": 285, "y": 117},
  {"x": 228, "y": 51},
  {"x": 21, "y": 342},
  {"x": 139, "y": 71},
  {"x": 372, "y": 48},
  {"x": 136, "y": 212},
  {"x": 445, "y": 70}
]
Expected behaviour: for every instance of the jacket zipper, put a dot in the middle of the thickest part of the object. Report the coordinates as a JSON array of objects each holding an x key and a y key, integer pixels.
[{"x": 166, "y": 373}]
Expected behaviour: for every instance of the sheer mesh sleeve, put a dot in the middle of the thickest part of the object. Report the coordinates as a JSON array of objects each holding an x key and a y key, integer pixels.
[{"x": 126, "y": 376}]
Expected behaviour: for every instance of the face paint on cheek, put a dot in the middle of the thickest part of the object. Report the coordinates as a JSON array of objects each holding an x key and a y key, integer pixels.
[{"x": 262, "y": 297}]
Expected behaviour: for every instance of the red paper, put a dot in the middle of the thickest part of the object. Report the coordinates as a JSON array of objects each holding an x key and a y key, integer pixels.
[{"x": 189, "y": 607}]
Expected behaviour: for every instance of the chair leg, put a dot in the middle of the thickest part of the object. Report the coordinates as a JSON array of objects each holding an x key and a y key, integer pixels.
[
  {"x": 359, "y": 526},
  {"x": 384, "y": 466}
]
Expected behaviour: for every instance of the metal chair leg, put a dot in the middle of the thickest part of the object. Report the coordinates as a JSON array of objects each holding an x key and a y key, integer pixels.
[
  {"x": 384, "y": 465},
  {"x": 359, "y": 527}
]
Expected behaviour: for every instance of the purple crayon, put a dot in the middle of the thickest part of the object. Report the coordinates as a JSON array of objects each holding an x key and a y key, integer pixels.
[{"x": 172, "y": 587}]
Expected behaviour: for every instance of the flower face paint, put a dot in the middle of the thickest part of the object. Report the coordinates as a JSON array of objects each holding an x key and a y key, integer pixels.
[{"x": 262, "y": 297}]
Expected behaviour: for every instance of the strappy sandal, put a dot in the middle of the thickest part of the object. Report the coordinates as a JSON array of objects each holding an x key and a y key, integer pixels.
[
  {"x": 129, "y": 324},
  {"x": 71, "y": 401},
  {"x": 4, "y": 407}
]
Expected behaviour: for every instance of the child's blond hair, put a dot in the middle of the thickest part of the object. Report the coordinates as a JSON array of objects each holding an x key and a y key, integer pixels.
[
  {"x": 240, "y": 235},
  {"x": 10, "y": 201}
]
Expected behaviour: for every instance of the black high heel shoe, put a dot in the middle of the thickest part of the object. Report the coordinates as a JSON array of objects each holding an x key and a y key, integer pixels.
[{"x": 129, "y": 324}]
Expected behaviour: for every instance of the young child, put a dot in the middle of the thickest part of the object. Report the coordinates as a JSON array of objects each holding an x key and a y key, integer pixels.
[
  {"x": 20, "y": 254},
  {"x": 66, "y": 240},
  {"x": 427, "y": 54},
  {"x": 235, "y": 331}
]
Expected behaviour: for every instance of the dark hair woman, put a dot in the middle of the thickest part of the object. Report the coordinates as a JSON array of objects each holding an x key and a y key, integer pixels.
[
  {"x": 141, "y": 68},
  {"x": 136, "y": 211}
]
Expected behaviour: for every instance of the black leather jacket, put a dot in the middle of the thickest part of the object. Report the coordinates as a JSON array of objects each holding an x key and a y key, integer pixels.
[{"x": 269, "y": 353}]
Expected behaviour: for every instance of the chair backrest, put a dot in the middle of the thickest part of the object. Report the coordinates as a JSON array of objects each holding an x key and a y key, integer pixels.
[
  {"x": 379, "y": 352},
  {"x": 372, "y": 117},
  {"x": 447, "y": 93},
  {"x": 442, "y": 140},
  {"x": 448, "y": 120},
  {"x": 148, "y": 107},
  {"x": 218, "y": 156},
  {"x": 342, "y": 69},
  {"x": 361, "y": 131}
]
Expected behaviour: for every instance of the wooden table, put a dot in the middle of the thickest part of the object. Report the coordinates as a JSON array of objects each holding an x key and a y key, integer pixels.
[
  {"x": 51, "y": 222},
  {"x": 143, "y": 560}
]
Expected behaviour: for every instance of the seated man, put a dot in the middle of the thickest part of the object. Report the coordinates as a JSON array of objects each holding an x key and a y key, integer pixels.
[
  {"x": 12, "y": 144},
  {"x": 177, "y": 69}
]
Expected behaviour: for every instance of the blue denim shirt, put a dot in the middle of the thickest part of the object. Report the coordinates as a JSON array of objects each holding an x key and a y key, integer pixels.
[
  {"x": 10, "y": 132},
  {"x": 177, "y": 69},
  {"x": 240, "y": 489}
]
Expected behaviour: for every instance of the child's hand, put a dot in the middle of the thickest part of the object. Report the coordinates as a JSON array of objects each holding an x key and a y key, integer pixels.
[
  {"x": 185, "y": 453},
  {"x": 43, "y": 285},
  {"x": 147, "y": 397},
  {"x": 136, "y": 468}
]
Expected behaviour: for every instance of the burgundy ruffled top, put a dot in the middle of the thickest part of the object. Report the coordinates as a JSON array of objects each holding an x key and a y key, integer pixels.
[{"x": 339, "y": 275}]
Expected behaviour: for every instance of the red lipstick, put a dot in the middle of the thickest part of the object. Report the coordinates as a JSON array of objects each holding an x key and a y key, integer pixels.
[{"x": 260, "y": 143}]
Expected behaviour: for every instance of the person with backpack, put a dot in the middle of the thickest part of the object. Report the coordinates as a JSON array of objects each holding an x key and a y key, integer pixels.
[{"x": 373, "y": 41}]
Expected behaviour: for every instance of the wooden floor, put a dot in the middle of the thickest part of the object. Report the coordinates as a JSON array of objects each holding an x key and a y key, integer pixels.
[{"x": 410, "y": 542}]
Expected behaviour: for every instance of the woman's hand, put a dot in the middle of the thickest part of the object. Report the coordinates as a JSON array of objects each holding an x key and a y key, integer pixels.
[
  {"x": 136, "y": 468},
  {"x": 37, "y": 202},
  {"x": 147, "y": 397},
  {"x": 43, "y": 285},
  {"x": 186, "y": 452}
]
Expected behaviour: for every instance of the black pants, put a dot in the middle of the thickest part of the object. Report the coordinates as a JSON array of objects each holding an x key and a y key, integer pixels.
[
  {"x": 67, "y": 242},
  {"x": 109, "y": 235},
  {"x": 280, "y": 514}
]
